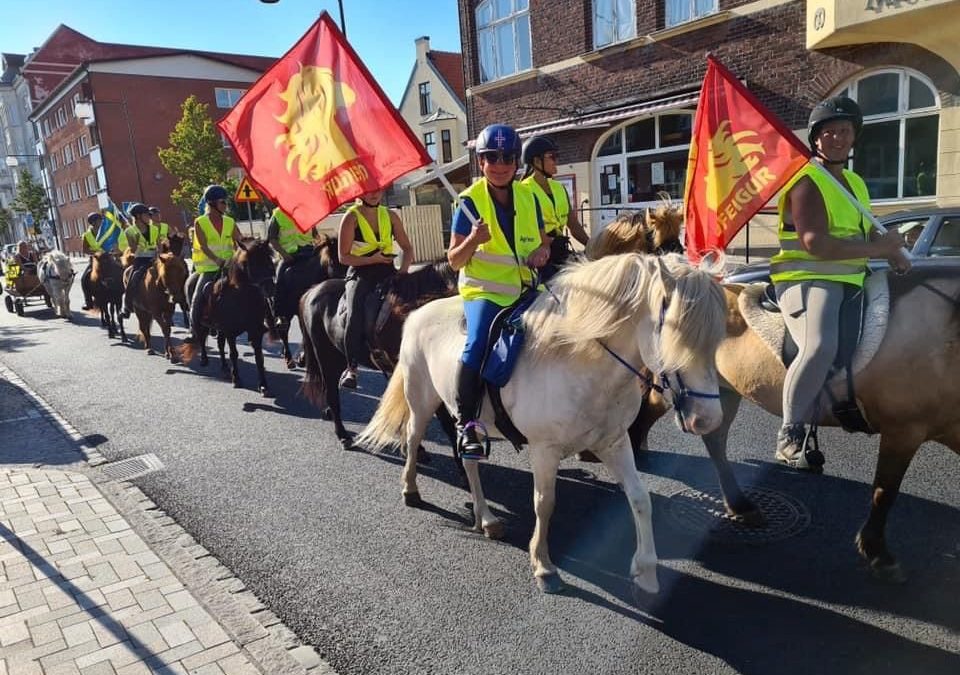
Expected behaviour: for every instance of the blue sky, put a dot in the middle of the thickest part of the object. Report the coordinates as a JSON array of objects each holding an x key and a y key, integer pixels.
[{"x": 381, "y": 31}]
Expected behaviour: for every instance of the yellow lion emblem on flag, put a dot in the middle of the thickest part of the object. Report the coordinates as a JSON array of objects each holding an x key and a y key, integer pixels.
[
  {"x": 313, "y": 139},
  {"x": 730, "y": 157}
]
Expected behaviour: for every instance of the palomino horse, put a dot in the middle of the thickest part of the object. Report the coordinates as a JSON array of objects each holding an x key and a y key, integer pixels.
[
  {"x": 586, "y": 338},
  {"x": 919, "y": 351},
  {"x": 56, "y": 274},
  {"x": 106, "y": 279},
  {"x": 651, "y": 231},
  {"x": 323, "y": 333},
  {"x": 236, "y": 304},
  {"x": 161, "y": 287},
  {"x": 323, "y": 265}
]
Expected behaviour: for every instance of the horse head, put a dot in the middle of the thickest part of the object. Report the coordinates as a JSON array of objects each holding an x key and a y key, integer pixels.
[
  {"x": 627, "y": 234},
  {"x": 663, "y": 227},
  {"x": 173, "y": 244},
  {"x": 325, "y": 248},
  {"x": 252, "y": 263},
  {"x": 172, "y": 273}
]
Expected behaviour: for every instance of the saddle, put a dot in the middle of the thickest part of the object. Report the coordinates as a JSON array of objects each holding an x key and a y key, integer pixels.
[
  {"x": 504, "y": 345},
  {"x": 863, "y": 323}
]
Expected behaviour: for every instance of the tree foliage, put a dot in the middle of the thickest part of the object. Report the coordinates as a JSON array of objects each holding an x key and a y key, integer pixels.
[
  {"x": 195, "y": 156},
  {"x": 6, "y": 220},
  {"x": 31, "y": 198}
]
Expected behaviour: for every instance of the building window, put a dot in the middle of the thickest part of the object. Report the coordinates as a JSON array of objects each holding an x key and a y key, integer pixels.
[
  {"x": 651, "y": 153},
  {"x": 74, "y": 191},
  {"x": 68, "y": 154},
  {"x": 227, "y": 98},
  {"x": 91, "y": 184},
  {"x": 613, "y": 21},
  {"x": 55, "y": 160},
  {"x": 503, "y": 38},
  {"x": 681, "y": 11},
  {"x": 430, "y": 143},
  {"x": 46, "y": 127},
  {"x": 225, "y": 142},
  {"x": 60, "y": 201},
  {"x": 425, "y": 106},
  {"x": 83, "y": 146},
  {"x": 445, "y": 146},
  {"x": 61, "y": 117},
  {"x": 896, "y": 153}
]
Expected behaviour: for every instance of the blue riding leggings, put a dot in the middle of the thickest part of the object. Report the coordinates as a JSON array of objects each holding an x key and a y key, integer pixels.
[{"x": 479, "y": 314}]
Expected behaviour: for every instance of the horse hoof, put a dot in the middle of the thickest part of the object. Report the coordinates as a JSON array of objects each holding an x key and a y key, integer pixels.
[
  {"x": 346, "y": 443},
  {"x": 750, "y": 516},
  {"x": 551, "y": 584},
  {"x": 150, "y": 352},
  {"x": 327, "y": 414},
  {"x": 494, "y": 530},
  {"x": 237, "y": 384},
  {"x": 423, "y": 457},
  {"x": 888, "y": 573},
  {"x": 412, "y": 499},
  {"x": 264, "y": 392}
]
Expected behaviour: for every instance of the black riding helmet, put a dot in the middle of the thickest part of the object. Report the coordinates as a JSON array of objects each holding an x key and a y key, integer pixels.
[
  {"x": 136, "y": 209},
  {"x": 537, "y": 146},
  {"x": 93, "y": 217},
  {"x": 834, "y": 108}
]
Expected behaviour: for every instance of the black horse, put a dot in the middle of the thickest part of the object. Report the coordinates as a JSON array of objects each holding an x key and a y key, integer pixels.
[
  {"x": 322, "y": 265},
  {"x": 236, "y": 303},
  {"x": 323, "y": 326},
  {"x": 106, "y": 281}
]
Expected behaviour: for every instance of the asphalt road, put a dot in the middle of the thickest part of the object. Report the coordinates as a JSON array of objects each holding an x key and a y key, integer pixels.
[{"x": 322, "y": 537}]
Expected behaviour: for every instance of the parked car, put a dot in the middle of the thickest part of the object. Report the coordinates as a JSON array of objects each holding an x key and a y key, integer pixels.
[
  {"x": 932, "y": 235},
  {"x": 8, "y": 251}
]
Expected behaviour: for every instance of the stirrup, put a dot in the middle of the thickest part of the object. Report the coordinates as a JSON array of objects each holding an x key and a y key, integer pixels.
[
  {"x": 469, "y": 446},
  {"x": 799, "y": 448}
]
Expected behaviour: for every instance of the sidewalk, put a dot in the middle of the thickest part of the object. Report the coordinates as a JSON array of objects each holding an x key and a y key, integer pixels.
[{"x": 82, "y": 591}]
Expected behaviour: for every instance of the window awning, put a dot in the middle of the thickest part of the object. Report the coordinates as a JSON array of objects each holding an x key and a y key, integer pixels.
[
  {"x": 603, "y": 118},
  {"x": 415, "y": 180}
]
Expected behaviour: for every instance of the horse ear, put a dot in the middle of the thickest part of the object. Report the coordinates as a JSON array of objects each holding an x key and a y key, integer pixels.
[
  {"x": 669, "y": 283},
  {"x": 241, "y": 245}
]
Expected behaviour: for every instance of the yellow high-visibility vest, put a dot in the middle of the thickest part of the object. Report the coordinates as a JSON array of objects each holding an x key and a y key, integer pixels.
[
  {"x": 554, "y": 211},
  {"x": 290, "y": 237},
  {"x": 793, "y": 263},
  {"x": 494, "y": 273},
  {"x": 369, "y": 241},
  {"x": 221, "y": 243},
  {"x": 92, "y": 242},
  {"x": 147, "y": 246}
]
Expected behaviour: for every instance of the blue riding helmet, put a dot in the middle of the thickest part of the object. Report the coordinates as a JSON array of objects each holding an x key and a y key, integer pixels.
[
  {"x": 214, "y": 193},
  {"x": 498, "y": 138}
]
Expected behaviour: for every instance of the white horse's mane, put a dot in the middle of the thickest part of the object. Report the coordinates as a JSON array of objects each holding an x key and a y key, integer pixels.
[{"x": 591, "y": 301}]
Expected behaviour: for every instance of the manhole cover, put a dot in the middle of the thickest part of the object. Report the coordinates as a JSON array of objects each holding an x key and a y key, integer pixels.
[
  {"x": 701, "y": 512},
  {"x": 132, "y": 467}
]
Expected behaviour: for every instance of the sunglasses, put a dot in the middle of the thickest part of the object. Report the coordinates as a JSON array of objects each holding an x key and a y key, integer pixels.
[{"x": 499, "y": 157}]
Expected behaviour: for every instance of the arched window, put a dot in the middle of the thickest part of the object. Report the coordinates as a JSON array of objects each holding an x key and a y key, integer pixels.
[
  {"x": 641, "y": 159},
  {"x": 897, "y": 151}
]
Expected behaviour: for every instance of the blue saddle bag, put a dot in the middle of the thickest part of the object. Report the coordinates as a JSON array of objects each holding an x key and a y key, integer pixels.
[{"x": 503, "y": 354}]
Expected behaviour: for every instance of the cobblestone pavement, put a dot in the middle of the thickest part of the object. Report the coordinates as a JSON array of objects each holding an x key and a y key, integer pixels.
[{"x": 81, "y": 591}]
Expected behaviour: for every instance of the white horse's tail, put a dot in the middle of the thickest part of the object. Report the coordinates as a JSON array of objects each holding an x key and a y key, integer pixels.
[{"x": 386, "y": 427}]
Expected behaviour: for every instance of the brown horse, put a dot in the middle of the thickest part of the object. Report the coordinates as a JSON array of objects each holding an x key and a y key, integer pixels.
[
  {"x": 160, "y": 288},
  {"x": 236, "y": 304},
  {"x": 106, "y": 280},
  {"x": 921, "y": 345},
  {"x": 323, "y": 333}
]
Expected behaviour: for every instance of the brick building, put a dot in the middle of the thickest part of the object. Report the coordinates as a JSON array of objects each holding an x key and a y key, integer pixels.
[
  {"x": 616, "y": 84},
  {"x": 102, "y": 110}
]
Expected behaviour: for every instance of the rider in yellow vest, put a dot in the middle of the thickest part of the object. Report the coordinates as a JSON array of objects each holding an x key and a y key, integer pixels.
[
  {"x": 141, "y": 238},
  {"x": 492, "y": 256},
  {"x": 365, "y": 243},
  {"x": 540, "y": 157},
  {"x": 91, "y": 244},
  {"x": 215, "y": 237},
  {"x": 824, "y": 246},
  {"x": 294, "y": 247}
]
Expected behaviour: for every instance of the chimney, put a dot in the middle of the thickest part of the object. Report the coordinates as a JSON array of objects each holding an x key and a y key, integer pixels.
[{"x": 423, "y": 46}]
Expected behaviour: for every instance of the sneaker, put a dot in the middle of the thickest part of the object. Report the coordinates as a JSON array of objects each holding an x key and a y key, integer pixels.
[
  {"x": 349, "y": 379},
  {"x": 471, "y": 447},
  {"x": 798, "y": 449}
]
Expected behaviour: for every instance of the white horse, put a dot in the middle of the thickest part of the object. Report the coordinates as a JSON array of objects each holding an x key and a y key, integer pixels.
[
  {"x": 577, "y": 384},
  {"x": 56, "y": 274}
]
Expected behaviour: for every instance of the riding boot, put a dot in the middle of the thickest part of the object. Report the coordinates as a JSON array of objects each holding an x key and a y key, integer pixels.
[
  {"x": 469, "y": 398},
  {"x": 87, "y": 291},
  {"x": 800, "y": 449}
]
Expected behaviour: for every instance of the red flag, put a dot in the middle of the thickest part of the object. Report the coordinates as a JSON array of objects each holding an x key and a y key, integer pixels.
[
  {"x": 740, "y": 157},
  {"x": 316, "y": 130}
]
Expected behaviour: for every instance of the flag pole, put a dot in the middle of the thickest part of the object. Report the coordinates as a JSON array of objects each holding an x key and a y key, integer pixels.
[
  {"x": 856, "y": 202},
  {"x": 434, "y": 167}
]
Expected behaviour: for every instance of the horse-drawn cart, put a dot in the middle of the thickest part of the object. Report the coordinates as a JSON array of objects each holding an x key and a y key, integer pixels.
[{"x": 22, "y": 285}]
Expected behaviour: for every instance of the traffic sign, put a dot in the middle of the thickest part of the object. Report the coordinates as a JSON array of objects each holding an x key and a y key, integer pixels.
[{"x": 246, "y": 192}]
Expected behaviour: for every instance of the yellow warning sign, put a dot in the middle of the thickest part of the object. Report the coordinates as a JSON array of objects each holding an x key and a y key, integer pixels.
[{"x": 246, "y": 193}]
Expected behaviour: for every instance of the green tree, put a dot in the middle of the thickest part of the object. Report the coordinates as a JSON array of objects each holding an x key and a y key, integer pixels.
[
  {"x": 31, "y": 198},
  {"x": 6, "y": 220},
  {"x": 195, "y": 155}
]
